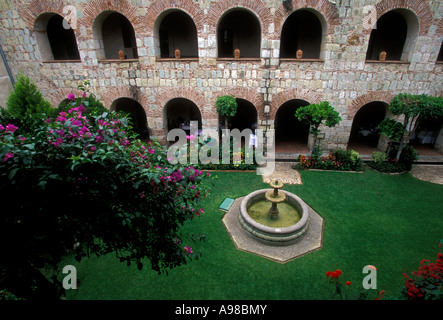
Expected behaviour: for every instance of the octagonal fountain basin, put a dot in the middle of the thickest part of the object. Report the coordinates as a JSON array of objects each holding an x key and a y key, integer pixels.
[{"x": 285, "y": 228}]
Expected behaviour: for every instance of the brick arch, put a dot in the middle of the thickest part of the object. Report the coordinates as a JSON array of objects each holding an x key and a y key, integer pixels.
[
  {"x": 160, "y": 6},
  {"x": 257, "y": 7},
  {"x": 95, "y": 7},
  {"x": 419, "y": 8},
  {"x": 113, "y": 93},
  {"x": 57, "y": 95},
  {"x": 284, "y": 96},
  {"x": 359, "y": 102},
  {"x": 440, "y": 27},
  {"x": 250, "y": 95},
  {"x": 165, "y": 95},
  {"x": 37, "y": 7},
  {"x": 324, "y": 7}
]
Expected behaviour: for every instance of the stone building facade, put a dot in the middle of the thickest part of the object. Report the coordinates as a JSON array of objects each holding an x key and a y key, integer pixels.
[{"x": 292, "y": 53}]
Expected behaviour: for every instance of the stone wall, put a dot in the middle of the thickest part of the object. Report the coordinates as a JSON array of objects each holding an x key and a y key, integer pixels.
[
  {"x": 341, "y": 75},
  {"x": 5, "y": 83}
]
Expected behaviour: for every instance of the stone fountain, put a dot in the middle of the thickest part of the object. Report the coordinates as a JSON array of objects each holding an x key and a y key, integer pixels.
[
  {"x": 274, "y": 223},
  {"x": 261, "y": 223}
]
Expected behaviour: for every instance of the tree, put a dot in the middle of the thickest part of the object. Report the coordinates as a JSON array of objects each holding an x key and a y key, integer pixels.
[
  {"x": 26, "y": 106},
  {"x": 86, "y": 185},
  {"x": 226, "y": 106},
  {"x": 316, "y": 114},
  {"x": 393, "y": 130},
  {"x": 414, "y": 108}
]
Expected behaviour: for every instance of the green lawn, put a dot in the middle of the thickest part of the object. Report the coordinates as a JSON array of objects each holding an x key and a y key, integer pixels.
[{"x": 391, "y": 222}]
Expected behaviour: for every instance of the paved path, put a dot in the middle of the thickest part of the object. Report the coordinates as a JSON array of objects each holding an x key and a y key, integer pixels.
[
  {"x": 287, "y": 175},
  {"x": 430, "y": 173},
  {"x": 284, "y": 173}
]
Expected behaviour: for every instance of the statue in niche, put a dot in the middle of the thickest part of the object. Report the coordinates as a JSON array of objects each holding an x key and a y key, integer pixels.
[
  {"x": 237, "y": 53},
  {"x": 177, "y": 54},
  {"x": 121, "y": 54},
  {"x": 299, "y": 54},
  {"x": 382, "y": 56}
]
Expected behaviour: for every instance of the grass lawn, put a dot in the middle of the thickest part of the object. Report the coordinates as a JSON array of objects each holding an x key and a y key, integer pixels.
[{"x": 391, "y": 222}]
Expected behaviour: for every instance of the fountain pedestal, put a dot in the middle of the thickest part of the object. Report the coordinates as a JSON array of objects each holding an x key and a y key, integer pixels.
[{"x": 275, "y": 196}]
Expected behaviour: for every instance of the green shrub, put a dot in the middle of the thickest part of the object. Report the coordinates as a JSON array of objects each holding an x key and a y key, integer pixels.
[
  {"x": 379, "y": 156},
  {"x": 388, "y": 166},
  {"x": 91, "y": 182},
  {"x": 26, "y": 106},
  {"x": 336, "y": 160},
  {"x": 408, "y": 156}
]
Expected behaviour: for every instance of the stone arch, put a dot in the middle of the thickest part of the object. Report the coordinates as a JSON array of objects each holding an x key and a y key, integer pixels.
[
  {"x": 164, "y": 95},
  {"x": 419, "y": 8},
  {"x": 37, "y": 7},
  {"x": 373, "y": 96},
  {"x": 57, "y": 95},
  {"x": 184, "y": 33},
  {"x": 158, "y": 7},
  {"x": 299, "y": 94},
  {"x": 246, "y": 94},
  {"x": 325, "y": 8},
  {"x": 258, "y": 8},
  {"x": 113, "y": 93},
  {"x": 96, "y": 7}
]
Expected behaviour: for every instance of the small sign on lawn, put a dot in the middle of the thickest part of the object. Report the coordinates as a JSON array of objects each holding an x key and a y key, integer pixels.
[{"x": 226, "y": 204}]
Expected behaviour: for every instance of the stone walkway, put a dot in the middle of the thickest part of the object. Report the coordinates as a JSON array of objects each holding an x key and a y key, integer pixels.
[
  {"x": 284, "y": 173},
  {"x": 430, "y": 173},
  {"x": 287, "y": 175}
]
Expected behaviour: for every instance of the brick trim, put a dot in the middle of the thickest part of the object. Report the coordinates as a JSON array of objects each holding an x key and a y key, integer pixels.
[
  {"x": 164, "y": 95},
  {"x": 258, "y": 8},
  {"x": 33, "y": 10},
  {"x": 113, "y": 93},
  {"x": 419, "y": 8},
  {"x": 56, "y": 96},
  {"x": 287, "y": 95},
  {"x": 327, "y": 9},
  {"x": 359, "y": 102},
  {"x": 188, "y": 6},
  {"x": 247, "y": 94},
  {"x": 96, "y": 7}
]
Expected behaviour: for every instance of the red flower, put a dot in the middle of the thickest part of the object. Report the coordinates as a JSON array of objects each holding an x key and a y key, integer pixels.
[{"x": 348, "y": 283}]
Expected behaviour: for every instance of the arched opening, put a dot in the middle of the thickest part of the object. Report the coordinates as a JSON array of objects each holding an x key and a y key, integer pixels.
[
  {"x": 136, "y": 113},
  {"x": 302, "y": 30},
  {"x": 55, "y": 41},
  {"x": 245, "y": 118},
  {"x": 177, "y": 30},
  {"x": 365, "y": 135},
  {"x": 115, "y": 33},
  {"x": 426, "y": 135},
  {"x": 291, "y": 134},
  {"x": 395, "y": 34},
  {"x": 180, "y": 112},
  {"x": 239, "y": 29},
  {"x": 440, "y": 54}
]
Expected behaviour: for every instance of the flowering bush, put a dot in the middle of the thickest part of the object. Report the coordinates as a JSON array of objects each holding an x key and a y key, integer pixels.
[
  {"x": 335, "y": 160},
  {"x": 348, "y": 292},
  {"x": 427, "y": 282},
  {"x": 89, "y": 181}
]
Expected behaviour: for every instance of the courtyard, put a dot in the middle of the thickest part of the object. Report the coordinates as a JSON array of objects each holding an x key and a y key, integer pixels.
[{"x": 389, "y": 221}]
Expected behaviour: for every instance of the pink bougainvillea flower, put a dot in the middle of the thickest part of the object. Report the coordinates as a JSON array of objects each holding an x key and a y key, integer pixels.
[
  {"x": 9, "y": 155},
  {"x": 1, "y": 127},
  {"x": 11, "y": 128},
  {"x": 188, "y": 249},
  {"x": 81, "y": 108},
  {"x": 71, "y": 96}
]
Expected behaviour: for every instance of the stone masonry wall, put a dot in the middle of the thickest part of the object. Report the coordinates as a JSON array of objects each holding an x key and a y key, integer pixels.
[{"x": 341, "y": 75}]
